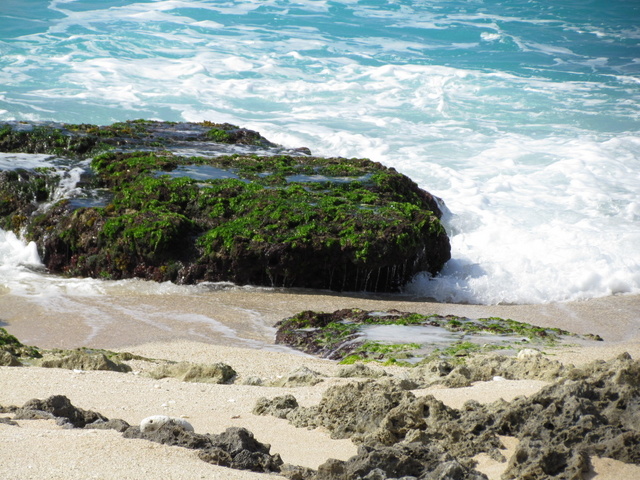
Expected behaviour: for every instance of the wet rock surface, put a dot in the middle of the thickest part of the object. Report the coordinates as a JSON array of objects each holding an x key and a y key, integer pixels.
[
  {"x": 215, "y": 202},
  {"x": 594, "y": 410},
  {"x": 358, "y": 335}
]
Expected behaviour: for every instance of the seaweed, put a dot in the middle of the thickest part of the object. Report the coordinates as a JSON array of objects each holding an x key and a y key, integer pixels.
[
  {"x": 275, "y": 220},
  {"x": 341, "y": 335}
]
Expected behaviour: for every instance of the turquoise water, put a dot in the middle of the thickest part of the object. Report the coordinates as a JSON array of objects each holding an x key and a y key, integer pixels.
[{"x": 523, "y": 116}]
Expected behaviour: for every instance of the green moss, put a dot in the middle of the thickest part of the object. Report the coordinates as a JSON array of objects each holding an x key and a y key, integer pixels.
[
  {"x": 274, "y": 222},
  {"x": 145, "y": 234},
  {"x": 342, "y": 334},
  {"x": 7, "y": 339},
  {"x": 44, "y": 139},
  {"x": 219, "y": 135},
  {"x": 11, "y": 344},
  {"x": 385, "y": 352},
  {"x": 351, "y": 359}
]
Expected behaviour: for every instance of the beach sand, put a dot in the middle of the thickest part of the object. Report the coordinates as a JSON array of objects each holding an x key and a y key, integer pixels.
[{"x": 39, "y": 449}]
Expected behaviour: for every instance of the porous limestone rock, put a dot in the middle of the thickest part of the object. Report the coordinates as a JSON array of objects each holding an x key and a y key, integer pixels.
[
  {"x": 82, "y": 360},
  {"x": 278, "y": 407},
  {"x": 300, "y": 377},
  {"x": 593, "y": 410},
  {"x": 218, "y": 373}
]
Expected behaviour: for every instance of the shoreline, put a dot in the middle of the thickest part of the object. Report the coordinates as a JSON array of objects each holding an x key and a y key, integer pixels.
[{"x": 245, "y": 317}]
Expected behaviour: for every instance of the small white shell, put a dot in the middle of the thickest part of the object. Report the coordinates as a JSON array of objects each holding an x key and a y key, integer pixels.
[{"x": 154, "y": 422}]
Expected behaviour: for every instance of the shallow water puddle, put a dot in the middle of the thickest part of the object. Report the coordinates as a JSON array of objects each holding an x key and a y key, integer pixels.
[{"x": 201, "y": 172}]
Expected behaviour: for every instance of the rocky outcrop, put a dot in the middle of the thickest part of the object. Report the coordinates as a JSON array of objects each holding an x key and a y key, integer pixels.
[
  {"x": 483, "y": 368},
  {"x": 342, "y": 335},
  {"x": 255, "y": 214},
  {"x": 7, "y": 359},
  {"x": 300, "y": 377},
  {"x": 594, "y": 410},
  {"x": 279, "y": 407},
  {"x": 12, "y": 350},
  {"x": 193, "y": 372},
  {"x": 59, "y": 407},
  {"x": 411, "y": 461},
  {"x": 83, "y": 360},
  {"x": 235, "y": 447}
]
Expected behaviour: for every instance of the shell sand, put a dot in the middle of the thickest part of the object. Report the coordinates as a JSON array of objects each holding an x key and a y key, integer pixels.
[{"x": 40, "y": 449}]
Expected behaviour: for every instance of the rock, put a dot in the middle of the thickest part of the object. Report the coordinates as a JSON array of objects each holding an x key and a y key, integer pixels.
[
  {"x": 360, "y": 370},
  {"x": 342, "y": 335},
  {"x": 271, "y": 216},
  {"x": 8, "y": 421},
  {"x": 524, "y": 367},
  {"x": 527, "y": 353},
  {"x": 296, "y": 472},
  {"x": 301, "y": 377},
  {"x": 353, "y": 409},
  {"x": 549, "y": 461},
  {"x": 484, "y": 368},
  {"x": 8, "y": 409},
  {"x": 332, "y": 469},
  {"x": 411, "y": 460},
  {"x": 28, "y": 414},
  {"x": 82, "y": 360},
  {"x": 253, "y": 380},
  {"x": 235, "y": 447},
  {"x": 13, "y": 346},
  {"x": 218, "y": 373},
  {"x": 247, "y": 453},
  {"x": 171, "y": 434},
  {"x": 278, "y": 407},
  {"x": 154, "y": 422},
  {"x": 116, "y": 424},
  {"x": 594, "y": 410},
  {"x": 9, "y": 360},
  {"x": 60, "y": 407},
  {"x": 216, "y": 456}
]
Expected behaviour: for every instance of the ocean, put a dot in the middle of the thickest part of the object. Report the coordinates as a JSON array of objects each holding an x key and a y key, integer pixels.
[{"x": 523, "y": 116}]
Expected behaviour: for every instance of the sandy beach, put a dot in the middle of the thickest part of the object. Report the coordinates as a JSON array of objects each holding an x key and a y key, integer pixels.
[{"x": 39, "y": 449}]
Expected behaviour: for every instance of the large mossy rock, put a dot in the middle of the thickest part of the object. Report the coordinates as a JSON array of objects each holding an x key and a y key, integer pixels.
[{"x": 264, "y": 216}]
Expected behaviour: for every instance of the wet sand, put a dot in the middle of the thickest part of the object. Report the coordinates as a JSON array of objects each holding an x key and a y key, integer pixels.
[{"x": 244, "y": 317}]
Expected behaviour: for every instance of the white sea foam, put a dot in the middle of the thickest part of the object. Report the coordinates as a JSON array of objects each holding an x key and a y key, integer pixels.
[
  {"x": 12, "y": 161},
  {"x": 16, "y": 253}
]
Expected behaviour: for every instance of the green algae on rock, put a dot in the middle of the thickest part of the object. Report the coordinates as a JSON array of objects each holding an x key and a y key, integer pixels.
[
  {"x": 13, "y": 352},
  {"x": 262, "y": 217},
  {"x": 352, "y": 335}
]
